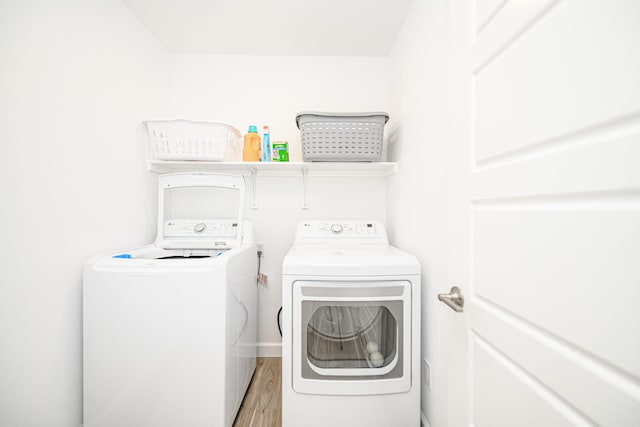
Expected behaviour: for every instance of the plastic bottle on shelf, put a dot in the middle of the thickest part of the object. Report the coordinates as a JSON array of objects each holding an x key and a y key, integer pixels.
[
  {"x": 251, "y": 151},
  {"x": 266, "y": 145}
]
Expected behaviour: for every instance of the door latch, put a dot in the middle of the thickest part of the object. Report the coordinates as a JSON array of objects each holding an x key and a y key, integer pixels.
[{"x": 453, "y": 299}]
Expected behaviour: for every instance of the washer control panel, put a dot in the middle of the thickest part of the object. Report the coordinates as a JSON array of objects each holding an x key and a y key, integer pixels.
[{"x": 195, "y": 228}]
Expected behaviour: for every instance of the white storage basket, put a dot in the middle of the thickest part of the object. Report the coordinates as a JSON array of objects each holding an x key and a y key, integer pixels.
[
  {"x": 341, "y": 137},
  {"x": 191, "y": 140}
]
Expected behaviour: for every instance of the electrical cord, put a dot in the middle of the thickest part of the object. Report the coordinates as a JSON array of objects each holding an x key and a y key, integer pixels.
[
  {"x": 258, "y": 275},
  {"x": 278, "y": 320}
]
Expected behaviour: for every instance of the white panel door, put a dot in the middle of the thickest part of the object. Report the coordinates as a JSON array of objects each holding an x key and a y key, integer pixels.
[{"x": 545, "y": 212}]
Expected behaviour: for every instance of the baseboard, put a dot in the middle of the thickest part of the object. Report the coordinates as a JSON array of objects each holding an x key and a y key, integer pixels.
[
  {"x": 423, "y": 420},
  {"x": 269, "y": 349}
]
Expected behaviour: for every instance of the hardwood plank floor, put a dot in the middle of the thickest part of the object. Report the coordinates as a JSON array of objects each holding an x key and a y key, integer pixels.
[{"x": 262, "y": 405}]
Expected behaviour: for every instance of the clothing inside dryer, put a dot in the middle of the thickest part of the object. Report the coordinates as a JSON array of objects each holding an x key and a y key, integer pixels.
[{"x": 351, "y": 336}]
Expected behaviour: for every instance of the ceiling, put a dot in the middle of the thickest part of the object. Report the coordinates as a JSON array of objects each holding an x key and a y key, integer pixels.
[{"x": 274, "y": 27}]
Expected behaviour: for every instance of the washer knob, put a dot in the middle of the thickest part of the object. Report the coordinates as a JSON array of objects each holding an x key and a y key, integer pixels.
[
  {"x": 336, "y": 228},
  {"x": 200, "y": 227}
]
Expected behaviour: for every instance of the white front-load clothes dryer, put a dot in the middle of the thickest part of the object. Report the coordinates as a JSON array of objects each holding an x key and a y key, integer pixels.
[
  {"x": 169, "y": 329},
  {"x": 351, "y": 328}
]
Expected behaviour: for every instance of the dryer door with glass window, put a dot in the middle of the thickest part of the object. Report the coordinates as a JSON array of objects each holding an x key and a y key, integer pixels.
[{"x": 351, "y": 337}]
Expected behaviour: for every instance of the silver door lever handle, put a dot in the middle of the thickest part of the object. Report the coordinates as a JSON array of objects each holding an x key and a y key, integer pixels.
[{"x": 453, "y": 299}]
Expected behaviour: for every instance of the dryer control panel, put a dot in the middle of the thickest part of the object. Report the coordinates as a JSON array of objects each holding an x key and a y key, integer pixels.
[{"x": 333, "y": 231}]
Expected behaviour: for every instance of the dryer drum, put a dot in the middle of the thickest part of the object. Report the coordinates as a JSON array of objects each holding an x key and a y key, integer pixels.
[{"x": 350, "y": 336}]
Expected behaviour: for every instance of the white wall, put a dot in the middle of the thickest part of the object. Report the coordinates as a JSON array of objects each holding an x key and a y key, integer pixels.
[
  {"x": 272, "y": 90},
  {"x": 76, "y": 79},
  {"x": 417, "y": 194},
  {"x": 244, "y": 90}
]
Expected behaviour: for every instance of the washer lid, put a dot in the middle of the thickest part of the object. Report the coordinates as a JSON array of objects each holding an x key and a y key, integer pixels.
[{"x": 200, "y": 211}]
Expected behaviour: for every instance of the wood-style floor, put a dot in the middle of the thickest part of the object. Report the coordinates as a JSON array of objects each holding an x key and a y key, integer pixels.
[{"x": 262, "y": 405}]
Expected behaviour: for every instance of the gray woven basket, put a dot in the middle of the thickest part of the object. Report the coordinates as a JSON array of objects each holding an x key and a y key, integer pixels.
[{"x": 341, "y": 137}]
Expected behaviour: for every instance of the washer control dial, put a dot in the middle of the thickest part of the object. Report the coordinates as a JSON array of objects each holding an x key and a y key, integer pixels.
[
  {"x": 336, "y": 228},
  {"x": 200, "y": 227}
]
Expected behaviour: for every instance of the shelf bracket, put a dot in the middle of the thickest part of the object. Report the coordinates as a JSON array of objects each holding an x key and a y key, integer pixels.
[
  {"x": 305, "y": 192},
  {"x": 254, "y": 189}
]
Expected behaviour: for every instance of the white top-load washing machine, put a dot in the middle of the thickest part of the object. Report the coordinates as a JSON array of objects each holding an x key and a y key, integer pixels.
[
  {"x": 169, "y": 329},
  {"x": 351, "y": 328}
]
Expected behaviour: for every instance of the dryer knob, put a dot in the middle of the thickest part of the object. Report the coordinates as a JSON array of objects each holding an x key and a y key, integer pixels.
[
  {"x": 200, "y": 227},
  {"x": 336, "y": 228}
]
